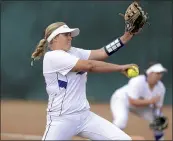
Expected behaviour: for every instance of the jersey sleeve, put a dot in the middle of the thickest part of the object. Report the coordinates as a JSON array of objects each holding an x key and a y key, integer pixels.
[
  {"x": 62, "y": 62},
  {"x": 134, "y": 88},
  {"x": 84, "y": 54}
]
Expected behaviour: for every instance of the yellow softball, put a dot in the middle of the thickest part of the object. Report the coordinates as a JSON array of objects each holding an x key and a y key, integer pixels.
[{"x": 133, "y": 72}]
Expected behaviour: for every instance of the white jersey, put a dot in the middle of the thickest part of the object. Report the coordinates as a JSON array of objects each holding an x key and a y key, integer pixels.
[
  {"x": 66, "y": 90},
  {"x": 138, "y": 88}
]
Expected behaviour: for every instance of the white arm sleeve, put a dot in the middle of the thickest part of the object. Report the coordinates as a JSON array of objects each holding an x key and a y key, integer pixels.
[
  {"x": 84, "y": 54},
  {"x": 62, "y": 61}
]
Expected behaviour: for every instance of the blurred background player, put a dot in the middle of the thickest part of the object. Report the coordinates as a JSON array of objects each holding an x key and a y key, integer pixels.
[{"x": 143, "y": 96}]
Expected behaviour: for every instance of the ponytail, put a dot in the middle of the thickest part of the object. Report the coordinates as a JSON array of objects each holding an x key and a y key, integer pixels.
[{"x": 39, "y": 51}]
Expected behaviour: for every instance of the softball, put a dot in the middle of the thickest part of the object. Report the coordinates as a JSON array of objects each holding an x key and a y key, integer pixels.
[{"x": 133, "y": 72}]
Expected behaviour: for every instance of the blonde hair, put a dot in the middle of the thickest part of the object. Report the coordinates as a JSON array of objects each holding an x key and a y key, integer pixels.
[{"x": 42, "y": 45}]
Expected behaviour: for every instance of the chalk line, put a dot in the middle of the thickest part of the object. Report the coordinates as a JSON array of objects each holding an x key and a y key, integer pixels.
[{"x": 22, "y": 136}]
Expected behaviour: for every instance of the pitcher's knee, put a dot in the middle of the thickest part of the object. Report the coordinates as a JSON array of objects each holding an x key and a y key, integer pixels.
[
  {"x": 122, "y": 137},
  {"x": 126, "y": 137}
]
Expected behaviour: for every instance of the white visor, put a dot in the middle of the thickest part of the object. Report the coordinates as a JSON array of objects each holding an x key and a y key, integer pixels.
[
  {"x": 63, "y": 29},
  {"x": 156, "y": 68}
]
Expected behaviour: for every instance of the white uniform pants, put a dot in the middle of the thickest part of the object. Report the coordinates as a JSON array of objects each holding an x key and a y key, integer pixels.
[
  {"x": 120, "y": 109},
  {"x": 85, "y": 124}
]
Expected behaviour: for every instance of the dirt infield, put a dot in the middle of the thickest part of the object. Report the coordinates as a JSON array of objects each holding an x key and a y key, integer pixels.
[{"x": 19, "y": 118}]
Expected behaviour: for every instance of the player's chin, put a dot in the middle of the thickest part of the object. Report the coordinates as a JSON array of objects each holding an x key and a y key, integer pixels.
[
  {"x": 68, "y": 48},
  {"x": 137, "y": 138}
]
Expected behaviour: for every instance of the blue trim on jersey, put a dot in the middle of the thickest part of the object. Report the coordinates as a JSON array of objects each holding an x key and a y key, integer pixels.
[
  {"x": 62, "y": 84},
  {"x": 65, "y": 93}
]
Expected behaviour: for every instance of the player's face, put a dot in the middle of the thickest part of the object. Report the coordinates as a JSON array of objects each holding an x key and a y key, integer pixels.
[
  {"x": 64, "y": 41},
  {"x": 155, "y": 77}
]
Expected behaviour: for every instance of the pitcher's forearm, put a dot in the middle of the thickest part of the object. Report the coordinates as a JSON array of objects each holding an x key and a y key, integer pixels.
[
  {"x": 99, "y": 66},
  {"x": 114, "y": 46},
  {"x": 96, "y": 66}
]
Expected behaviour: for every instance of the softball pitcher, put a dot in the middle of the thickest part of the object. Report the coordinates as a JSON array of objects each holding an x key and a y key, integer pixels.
[
  {"x": 143, "y": 95},
  {"x": 64, "y": 70}
]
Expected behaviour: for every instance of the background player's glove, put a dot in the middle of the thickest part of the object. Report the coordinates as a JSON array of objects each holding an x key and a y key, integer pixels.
[
  {"x": 159, "y": 123},
  {"x": 135, "y": 18}
]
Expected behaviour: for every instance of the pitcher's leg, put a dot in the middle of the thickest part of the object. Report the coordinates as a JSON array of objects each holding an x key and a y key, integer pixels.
[
  {"x": 59, "y": 129},
  {"x": 98, "y": 128}
]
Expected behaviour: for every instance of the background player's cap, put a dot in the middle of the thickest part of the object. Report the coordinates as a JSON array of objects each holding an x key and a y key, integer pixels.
[
  {"x": 63, "y": 29},
  {"x": 156, "y": 68}
]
